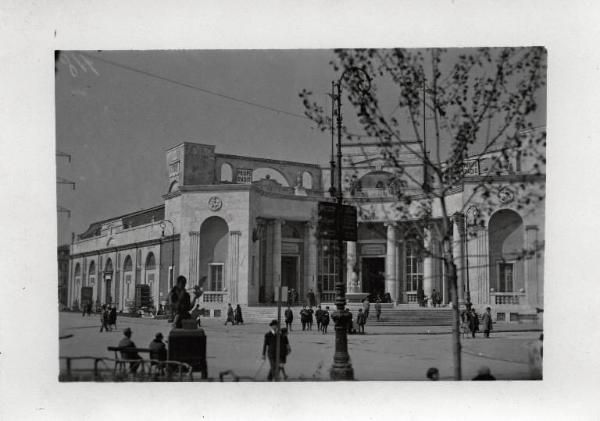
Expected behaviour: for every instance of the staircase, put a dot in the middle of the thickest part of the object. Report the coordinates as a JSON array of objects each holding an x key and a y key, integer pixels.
[{"x": 390, "y": 316}]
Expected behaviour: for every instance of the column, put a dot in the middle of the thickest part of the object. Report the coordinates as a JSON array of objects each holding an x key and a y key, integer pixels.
[
  {"x": 400, "y": 294},
  {"x": 427, "y": 266},
  {"x": 351, "y": 275},
  {"x": 268, "y": 269},
  {"x": 276, "y": 256},
  {"x": 457, "y": 253},
  {"x": 531, "y": 266},
  {"x": 390, "y": 261},
  {"x": 310, "y": 255},
  {"x": 482, "y": 278},
  {"x": 234, "y": 265},
  {"x": 194, "y": 258}
]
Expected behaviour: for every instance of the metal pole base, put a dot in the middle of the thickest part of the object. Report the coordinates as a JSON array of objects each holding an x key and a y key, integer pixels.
[
  {"x": 343, "y": 372},
  {"x": 341, "y": 368}
]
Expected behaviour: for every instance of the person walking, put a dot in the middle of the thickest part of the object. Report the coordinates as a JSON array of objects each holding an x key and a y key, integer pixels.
[
  {"x": 304, "y": 317},
  {"x": 238, "y": 315},
  {"x": 289, "y": 318},
  {"x": 325, "y": 320},
  {"x": 310, "y": 318},
  {"x": 113, "y": 317},
  {"x": 230, "y": 315},
  {"x": 104, "y": 318},
  {"x": 360, "y": 321},
  {"x": 311, "y": 298},
  {"x": 435, "y": 298},
  {"x": 378, "y": 309},
  {"x": 284, "y": 351},
  {"x": 486, "y": 320},
  {"x": 270, "y": 348},
  {"x": 366, "y": 307},
  {"x": 318, "y": 315},
  {"x": 127, "y": 354},
  {"x": 473, "y": 322}
]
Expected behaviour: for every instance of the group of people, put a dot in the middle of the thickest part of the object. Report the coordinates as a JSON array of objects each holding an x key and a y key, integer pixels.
[
  {"x": 158, "y": 351},
  {"x": 307, "y": 318},
  {"x": 234, "y": 316},
  {"x": 108, "y": 318},
  {"x": 470, "y": 322}
]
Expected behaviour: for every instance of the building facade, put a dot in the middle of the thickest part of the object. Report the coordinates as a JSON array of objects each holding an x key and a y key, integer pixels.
[{"x": 239, "y": 226}]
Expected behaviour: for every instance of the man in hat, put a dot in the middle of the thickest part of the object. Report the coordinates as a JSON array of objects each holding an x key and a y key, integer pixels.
[
  {"x": 270, "y": 348},
  {"x": 128, "y": 354},
  {"x": 158, "y": 351}
]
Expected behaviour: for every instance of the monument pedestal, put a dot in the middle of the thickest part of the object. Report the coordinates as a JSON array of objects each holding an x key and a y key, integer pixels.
[{"x": 356, "y": 297}]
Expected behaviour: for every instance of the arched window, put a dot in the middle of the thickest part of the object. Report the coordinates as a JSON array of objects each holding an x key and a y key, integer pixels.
[
  {"x": 77, "y": 274},
  {"x": 507, "y": 272},
  {"x": 270, "y": 174},
  {"x": 226, "y": 173},
  {"x": 214, "y": 233},
  {"x": 307, "y": 180},
  {"x": 127, "y": 265},
  {"x": 150, "y": 262},
  {"x": 92, "y": 273}
]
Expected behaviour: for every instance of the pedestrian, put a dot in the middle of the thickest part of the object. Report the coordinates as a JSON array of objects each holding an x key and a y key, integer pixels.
[
  {"x": 284, "y": 351},
  {"x": 435, "y": 296},
  {"x": 350, "y": 325},
  {"x": 295, "y": 295},
  {"x": 484, "y": 374},
  {"x": 486, "y": 320},
  {"x": 433, "y": 374},
  {"x": 238, "y": 315},
  {"x": 304, "y": 317},
  {"x": 104, "y": 318},
  {"x": 360, "y": 321},
  {"x": 158, "y": 352},
  {"x": 366, "y": 307},
  {"x": 289, "y": 318},
  {"x": 420, "y": 297},
  {"x": 270, "y": 348},
  {"x": 113, "y": 317},
  {"x": 378, "y": 309},
  {"x": 318, "y": 315},
  {"x": 230, "y": 315},
  {"x": 473, "y": 322},
  {"x": 311, "y": 298},
  {"x": 128, "y": 354},
  {"x": 310, "y": 318},
  {"x": 89, "y": 309},
  {"x": 325, "y": 320}
]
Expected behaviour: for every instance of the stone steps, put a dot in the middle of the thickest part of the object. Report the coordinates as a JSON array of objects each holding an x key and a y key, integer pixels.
[{"x": 389, "y": 316}]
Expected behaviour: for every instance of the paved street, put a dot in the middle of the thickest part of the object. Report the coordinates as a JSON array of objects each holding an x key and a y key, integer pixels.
[{"x": 384, "y": 353}]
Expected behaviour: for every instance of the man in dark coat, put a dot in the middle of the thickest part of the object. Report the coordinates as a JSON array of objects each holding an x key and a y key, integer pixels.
[
  {"x": 325, "y": 320},
  {"x": 113, "y": 317},
  {"x": 318, "y": 315},
  {"x": 304, "y": 317},
  {"x": 158, "y": 351},
  {"x": 311, "y": 298},
  {"x": 238, "y": 315},
  {"x": 473, "y": 322},
  {"x": 486, "y": 320},
  {"x": 104, "y": 318},
  {"x": 230, "y": 315},
  {"x": 310, "y": 318},
  {"x": 270, "y": 348},
  {"x": 289, "y": 318},
  {"x": 360, "y": 321}
]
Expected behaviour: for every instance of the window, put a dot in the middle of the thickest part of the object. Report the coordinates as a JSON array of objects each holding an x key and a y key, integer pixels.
[
  {"x": 414, "y": 269},
  {"x": 77, "y": 273},
  {"x": 328, "y": 264},
  {"x": 92, "y": 273},
  {"x": 215, "y": 271},
  {"x": 244, "y": 175},
  {"x": 505, "y": 277}
]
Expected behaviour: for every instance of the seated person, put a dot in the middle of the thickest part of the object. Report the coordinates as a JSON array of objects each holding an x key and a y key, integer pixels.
[{"x": 132, "y": 356}]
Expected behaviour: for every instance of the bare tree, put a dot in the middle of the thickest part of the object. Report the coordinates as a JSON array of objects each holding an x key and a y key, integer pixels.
[{"x": 427, "y": 112}]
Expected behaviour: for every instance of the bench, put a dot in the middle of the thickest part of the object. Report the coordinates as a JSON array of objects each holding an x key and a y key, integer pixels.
[{"x": 160, "y": 365}]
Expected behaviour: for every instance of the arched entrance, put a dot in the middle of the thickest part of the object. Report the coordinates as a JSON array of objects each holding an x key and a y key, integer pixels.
[
  {"x": 213, "y": 253},
  {"x": 506, "y": 267}
]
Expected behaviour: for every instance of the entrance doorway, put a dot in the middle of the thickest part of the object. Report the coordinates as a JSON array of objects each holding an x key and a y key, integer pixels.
[
  {"x": 108, "y": 297},
  {"x": 373, "y": 276},
  {"x": 289, "y": 272}
]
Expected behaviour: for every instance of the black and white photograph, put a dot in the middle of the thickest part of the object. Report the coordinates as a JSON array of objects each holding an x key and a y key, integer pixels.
[
  {"x": 293, "y": 215},
  {"x": 294, "y": 210}
]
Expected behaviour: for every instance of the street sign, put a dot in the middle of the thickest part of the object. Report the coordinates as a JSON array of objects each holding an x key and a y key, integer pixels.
[{"x": 327, "y": 222}]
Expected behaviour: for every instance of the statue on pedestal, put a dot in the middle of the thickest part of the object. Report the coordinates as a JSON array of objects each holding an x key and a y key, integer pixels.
[{"x": 180, "y": 301}]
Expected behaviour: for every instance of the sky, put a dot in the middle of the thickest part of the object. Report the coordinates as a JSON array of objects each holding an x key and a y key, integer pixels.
[{"x": 118, "y": 111}]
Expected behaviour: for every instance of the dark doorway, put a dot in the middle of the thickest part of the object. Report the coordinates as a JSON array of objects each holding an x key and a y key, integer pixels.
[
  {"x": 289, "y": 272},
  {"x": 373, "y": 276},
  {"x": 108, "y": 297}
]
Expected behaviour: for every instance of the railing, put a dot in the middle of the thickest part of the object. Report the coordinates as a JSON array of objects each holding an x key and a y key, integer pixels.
[
  {"x": 507, "y": 297},
  {"x": 327, "y": 296},
  {"x": 213, "y": 296},
  {"x": 411, "y": 297}
]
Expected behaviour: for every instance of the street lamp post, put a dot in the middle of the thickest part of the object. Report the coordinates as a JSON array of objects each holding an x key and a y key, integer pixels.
[
  {"x": 342, "y": 367},
  {"x": 163, "y": 225}
]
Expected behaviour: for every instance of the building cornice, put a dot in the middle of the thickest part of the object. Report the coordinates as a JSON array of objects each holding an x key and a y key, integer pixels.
[
  {"x": 267, "y": 160},
  {"x": 128, "y": 246}
]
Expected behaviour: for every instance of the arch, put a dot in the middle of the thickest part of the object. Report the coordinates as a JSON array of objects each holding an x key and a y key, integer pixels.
[
  {"x": 108, "y": 267},
  {"x": 77, "y": 269},
  {"x": 92, "y": 268},
  {"x": 150, "y": 262},
  {"x": 375, "y": 180},
  {"x": 110, "y": 242},
  {"x": 173, "y": 186},
  {"x": 214, "y": 241},
  {"x": 127, "y": 264},
  {"x": 307, "y": 180},
  {"x": 226, "y": 173},
  {"x": 270, "y": 174},
  {"x": 506, "y": 231}
]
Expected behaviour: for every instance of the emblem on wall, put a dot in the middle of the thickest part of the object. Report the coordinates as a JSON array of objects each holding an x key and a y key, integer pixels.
[
  {"x": 214, "y": 203},
  {"x": 506, "y": 195}
]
